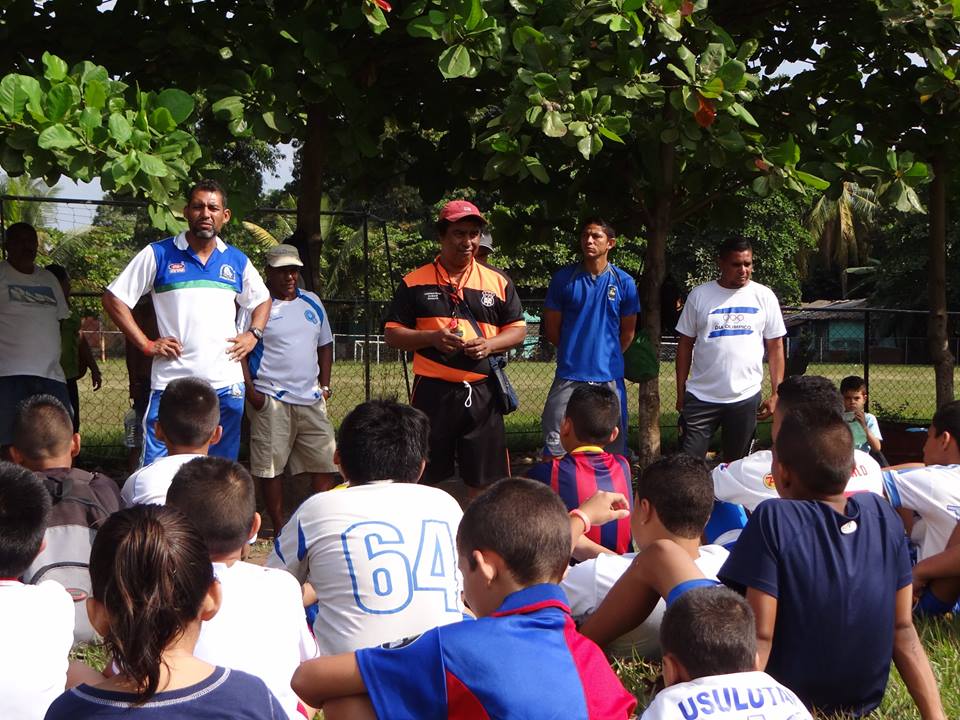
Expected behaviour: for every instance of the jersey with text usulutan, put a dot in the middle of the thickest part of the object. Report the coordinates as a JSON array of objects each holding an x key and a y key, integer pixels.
[{"x": 427, "y": 300}]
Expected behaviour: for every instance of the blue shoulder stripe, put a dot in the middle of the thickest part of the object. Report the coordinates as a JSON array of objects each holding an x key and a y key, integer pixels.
[{"x": 309, "y": 301}]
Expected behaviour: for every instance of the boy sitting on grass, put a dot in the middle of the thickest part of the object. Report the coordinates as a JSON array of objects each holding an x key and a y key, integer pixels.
[
  {"x": 828, "y": 578},
  {"x": 590, "y": 422},
  {"x": 514, "y": 545},
  {"x": 710, "y": 664},
  {"x": 188, "y": 423},
  {"x": 863, "y": 425},
  {"x": 673, "y": 501},
  {"x": 259, "y": 628}
]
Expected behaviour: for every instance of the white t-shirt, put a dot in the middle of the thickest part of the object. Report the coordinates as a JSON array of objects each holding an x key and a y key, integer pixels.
[
  {"x": 729, "y": 328},
  {"x": 31, "y": 308},
  {"x": 587, "y": 584},
  {"x": 738, "y": 696},
  {"x": 749, "y": 481},
  {"x": 284, "y": 363},
  {"x": 37, "y": 630},
  {"x": 933, "y": 492},
  {"x": 149, "y": 484},
  {"x": 197, "y": 304},
  {"x": 382, "y": 559},
  {"x": 259, "y": 629}
]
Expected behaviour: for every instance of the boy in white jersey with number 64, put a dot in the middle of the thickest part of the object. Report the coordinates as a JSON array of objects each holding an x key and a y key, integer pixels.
[{"x": 380, "y": 553}]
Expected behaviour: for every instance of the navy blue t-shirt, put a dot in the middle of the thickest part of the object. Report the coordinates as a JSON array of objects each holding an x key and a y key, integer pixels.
[
  {"x": 224, "y": 695},
  {"x": 835, "y": 577},
  {"x": 591, "y": 309}
]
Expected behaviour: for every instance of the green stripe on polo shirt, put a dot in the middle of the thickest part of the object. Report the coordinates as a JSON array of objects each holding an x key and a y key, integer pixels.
[{"x": 194, "y": 284}]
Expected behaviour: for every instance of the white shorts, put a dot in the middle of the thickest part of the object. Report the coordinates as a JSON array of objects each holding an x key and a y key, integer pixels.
[{"x": 298, "y": 437}]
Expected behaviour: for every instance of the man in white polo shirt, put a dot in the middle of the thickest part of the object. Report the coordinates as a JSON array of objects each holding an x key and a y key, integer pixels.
[
  {"x": 724, "y": 329},
  {"x": 196, "y": 281},
  {"x": 288, "y": 383}
]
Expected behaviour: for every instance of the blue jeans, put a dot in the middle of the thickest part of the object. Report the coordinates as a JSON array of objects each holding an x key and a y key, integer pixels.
[
  {"x": 14, "y": 389},
  {"x": 231, "y": 413}
]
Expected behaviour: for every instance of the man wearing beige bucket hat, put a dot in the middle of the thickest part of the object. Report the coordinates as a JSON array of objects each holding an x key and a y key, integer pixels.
[{"x": 287, "y": 385}]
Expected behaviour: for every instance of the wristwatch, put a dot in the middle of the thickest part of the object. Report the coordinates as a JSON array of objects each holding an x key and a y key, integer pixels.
[
  {"x": 327, "y": 390},
  {"x": 257, "y": 333}
]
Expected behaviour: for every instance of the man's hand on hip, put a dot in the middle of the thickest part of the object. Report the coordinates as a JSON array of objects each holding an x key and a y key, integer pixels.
[
  {"x": 165, "y": 347},
  {"x": 241, "y": 345}
]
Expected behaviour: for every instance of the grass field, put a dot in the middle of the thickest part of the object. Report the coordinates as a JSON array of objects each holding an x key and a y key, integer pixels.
[{"x": 896, "y": 392}]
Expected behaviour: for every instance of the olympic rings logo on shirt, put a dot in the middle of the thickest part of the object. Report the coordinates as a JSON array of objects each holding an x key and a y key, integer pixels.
[{"x": 732, "y": 318}]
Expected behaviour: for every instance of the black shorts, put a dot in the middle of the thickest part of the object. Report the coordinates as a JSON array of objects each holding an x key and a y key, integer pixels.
[{"x": 466, "y": 431}]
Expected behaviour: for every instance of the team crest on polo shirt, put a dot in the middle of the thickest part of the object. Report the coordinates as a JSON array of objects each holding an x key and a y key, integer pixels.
[
  {"x": 768, "y": 481},
  {"x": 487, "y": 298},
  {"x": 311, "y": 316},
  {"x": 227, "y": 273},
  {"x": 176, "y": 267},
  {"x": 612, "y": 292}
]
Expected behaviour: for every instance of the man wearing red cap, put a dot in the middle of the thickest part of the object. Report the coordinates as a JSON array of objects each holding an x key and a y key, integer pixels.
[{"x": 454, "y": 313}]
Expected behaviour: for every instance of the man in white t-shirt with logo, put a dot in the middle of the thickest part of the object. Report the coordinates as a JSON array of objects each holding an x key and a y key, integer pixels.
[
  {"x": 287, "y": 379},
  {"x": 196, "y": 281},
  {"x": 724, "y": 329},
  {"x": 749, "y": 480},
  {"x": 380, "y": 553},
  {"x": 31, "y": 308}
]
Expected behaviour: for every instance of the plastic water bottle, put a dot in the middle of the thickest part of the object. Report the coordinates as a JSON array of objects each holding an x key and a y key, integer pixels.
[{"x": 130, "y": 428}]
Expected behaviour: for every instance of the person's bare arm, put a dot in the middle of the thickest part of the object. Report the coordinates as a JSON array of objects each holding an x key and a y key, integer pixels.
[
  {"x": 587, "y": 549},
  {"x": 325, "y": 678},
  {"x": 765, "y": 611},
  {"x": 168, "y": 347},
  {"x": 88, "y": 360},
  {"x": 911, "y": 660},
  {"x": 654, "y": 572},
  {"x": 254, "y": 396},
  {"x": 683, "y": 360},
  {"x": 600, "y": 508},
  {"x": 551, "y": 326},
  {"x": 628, "y": 330},
  {"x": 325, "y": 361},
  {"x": 776, "y": 364},
  {"x": 243, "y": 344},
  {"x": 404, "y": 338}
]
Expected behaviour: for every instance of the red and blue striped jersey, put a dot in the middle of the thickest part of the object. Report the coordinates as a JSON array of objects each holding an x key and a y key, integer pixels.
[
  {"x": 578, "y": 475},
  {"x": 526, "y": 660}
]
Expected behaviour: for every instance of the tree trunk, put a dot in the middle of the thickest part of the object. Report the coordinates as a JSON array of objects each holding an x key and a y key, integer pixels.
[
  {"x": 651, "y": 283},
  {"x": 308, "y": 237},
  {"x": 937, "y": 333}
]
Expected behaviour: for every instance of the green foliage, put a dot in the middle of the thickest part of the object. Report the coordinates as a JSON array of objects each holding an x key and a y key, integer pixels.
[{"x": 81, "y": 123}]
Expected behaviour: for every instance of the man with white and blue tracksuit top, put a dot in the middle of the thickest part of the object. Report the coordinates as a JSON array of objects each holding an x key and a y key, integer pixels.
[{"x": 196, "y": 282}]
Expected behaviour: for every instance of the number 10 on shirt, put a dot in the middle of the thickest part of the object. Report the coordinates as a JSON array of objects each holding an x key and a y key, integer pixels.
[{"x": 380, "y": 569}]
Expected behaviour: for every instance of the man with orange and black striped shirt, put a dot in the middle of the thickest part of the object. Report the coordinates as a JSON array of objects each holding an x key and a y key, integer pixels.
[{"x": 437, "y": 312}]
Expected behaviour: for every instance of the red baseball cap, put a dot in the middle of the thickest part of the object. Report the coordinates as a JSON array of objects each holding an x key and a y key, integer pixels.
[{"x": 460, "y": 209}]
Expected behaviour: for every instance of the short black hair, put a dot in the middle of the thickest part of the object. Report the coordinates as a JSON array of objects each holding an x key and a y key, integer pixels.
[
  {"x": 525, "y": 523},
  {"x": 947, "y": 419},
  {"x": 816, "y": 444},
  {"x": 680, "y": 489},
  {"x": 710, "y": 631},
  {"x": 799, "y": 390},
  {"x": 207, "y": 185},
  {"x": 594, "y": 411},
  {"x": 20, "y": 231},
  {"x": 218, "y": 497},
  {"x": 24, "y": 510},
  {"x": 42, "y": 428},
  {"x": 189, "y": 412},
  {"x": 383, "y": 440},
  {"x": 732, "y": 244},
  {"x": 852, "y": 383},
  {"x": 604, "y": 225}
]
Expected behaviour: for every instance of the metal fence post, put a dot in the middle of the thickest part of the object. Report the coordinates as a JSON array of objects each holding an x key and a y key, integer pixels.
[
  {"x": 366, "y": 307},
  {"x": 866, "y": 353}
]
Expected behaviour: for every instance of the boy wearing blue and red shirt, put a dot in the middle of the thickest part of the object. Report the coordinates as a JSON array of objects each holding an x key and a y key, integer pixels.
[
  {"x": 493, "y": 667},
  {"x": 590, "y": 421}
]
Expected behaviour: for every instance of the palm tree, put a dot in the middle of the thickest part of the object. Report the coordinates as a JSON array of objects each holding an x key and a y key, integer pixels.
[
  {"x": 34, "y": 213},
  {"x": 841, "y": 225}
]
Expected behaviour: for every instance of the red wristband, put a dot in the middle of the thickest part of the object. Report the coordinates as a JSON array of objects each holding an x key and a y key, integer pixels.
[
  {"x": 148, "y": 348},
  {"x": 577, "y": 512}
]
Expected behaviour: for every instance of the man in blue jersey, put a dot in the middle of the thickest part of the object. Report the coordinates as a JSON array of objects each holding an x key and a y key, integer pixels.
[
  {"x": 591, "y": 316},
  {"x": 287, "y": 379},
  {"x": 196, "y": 282}
]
